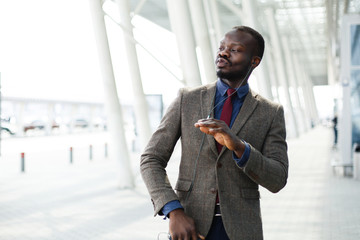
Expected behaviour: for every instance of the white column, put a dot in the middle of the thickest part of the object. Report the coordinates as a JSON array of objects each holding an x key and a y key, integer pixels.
[
  {"x": 269, "y": 59},
  {"x": 310, "y": 86},
  {"x": 331, "y": 42},
  {"x": 212, "y": 14},
  {"x": 73, "y": 113},
  {"x": 261, "y": 72},
  {"x": 0, "y": 116},
  {"x": 50, "y": 119},
  {"x": 305, "y": 93},
  {"x": 117, "y": 145},
  {"x": 309, "y": 90},
  {"x": 92, "y": 110},
  {"x": 293, "y": 79},
  {"x": 180, "y": 20},
  {"x": 141, "y": 105},
  {"x": 345, "y": 123},
  {"x": 281, "y": 72},
  {"x": 20, "y": 109},
  {"x": 203, "y": 39},
  {"x": 348, "y": 86}
]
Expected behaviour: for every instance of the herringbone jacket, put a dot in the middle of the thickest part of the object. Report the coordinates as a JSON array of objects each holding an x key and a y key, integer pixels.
[{"x": 259, "y": 122}]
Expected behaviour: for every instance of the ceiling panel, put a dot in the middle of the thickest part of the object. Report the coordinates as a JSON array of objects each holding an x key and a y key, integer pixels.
[{"x": 303, "y": 21}]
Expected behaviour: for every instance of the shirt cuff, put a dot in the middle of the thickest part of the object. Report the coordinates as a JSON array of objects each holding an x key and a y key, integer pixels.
[
  {"x": 170, "y": 206},
  {"x": 244, "y": 158}
]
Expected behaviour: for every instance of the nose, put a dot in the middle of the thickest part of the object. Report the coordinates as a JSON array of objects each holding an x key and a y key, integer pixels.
[{"x": 224, "y": 52}]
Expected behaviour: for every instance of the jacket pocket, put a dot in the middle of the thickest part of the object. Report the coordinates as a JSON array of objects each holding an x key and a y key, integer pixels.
[
  {"x": 182, "y": 185},
  {"x": 250, "y": 193}
]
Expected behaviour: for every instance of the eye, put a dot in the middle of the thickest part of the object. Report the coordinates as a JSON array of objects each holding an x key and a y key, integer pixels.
[{"x": 221, "y": 48}]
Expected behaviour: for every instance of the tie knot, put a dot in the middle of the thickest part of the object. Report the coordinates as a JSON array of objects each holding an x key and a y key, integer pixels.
[{"x": 230, "y": 91}]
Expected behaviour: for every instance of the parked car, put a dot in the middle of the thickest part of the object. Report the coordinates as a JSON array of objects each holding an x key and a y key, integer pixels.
[
  {"x": 8, "y": 126},
  {"x": 81, "y": 123},
  {"x": 37, "y": 124}
]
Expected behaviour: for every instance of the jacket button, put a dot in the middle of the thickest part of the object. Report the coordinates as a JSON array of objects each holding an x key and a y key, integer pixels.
[
  {"x": 213, "y": 190},
  {"x": 219, "y": 165}
]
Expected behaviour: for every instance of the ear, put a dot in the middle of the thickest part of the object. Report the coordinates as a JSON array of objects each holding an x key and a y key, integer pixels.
[{"x": 255, "y": 61}]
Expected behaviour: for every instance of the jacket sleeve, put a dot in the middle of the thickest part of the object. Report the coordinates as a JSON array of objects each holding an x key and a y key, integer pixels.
[
  {"x": 269, "y": 168},
  {"x": 157, "y": 154}
]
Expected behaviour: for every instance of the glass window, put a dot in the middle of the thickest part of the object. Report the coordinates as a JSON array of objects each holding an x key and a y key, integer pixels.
[
  {"x": 355, "y": 105},
  {"x": 355, "y": 44}
]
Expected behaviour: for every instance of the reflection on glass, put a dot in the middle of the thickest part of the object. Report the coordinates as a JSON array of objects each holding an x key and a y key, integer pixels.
[
  {"x": 355, "y": 105},
  {"x": 355, "y": 44}
]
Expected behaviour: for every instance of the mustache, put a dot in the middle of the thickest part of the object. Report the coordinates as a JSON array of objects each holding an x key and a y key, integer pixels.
[{"x": 223, "y": 58}]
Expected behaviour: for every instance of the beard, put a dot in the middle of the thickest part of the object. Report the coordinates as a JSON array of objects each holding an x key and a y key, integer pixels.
[{"x": 232, "y": 75}]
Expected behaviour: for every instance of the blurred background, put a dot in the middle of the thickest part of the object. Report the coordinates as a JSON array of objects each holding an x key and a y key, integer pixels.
[{"x": 84, "y": 83}]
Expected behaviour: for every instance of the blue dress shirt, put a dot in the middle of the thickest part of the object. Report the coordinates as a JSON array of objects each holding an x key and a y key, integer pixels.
[{"x": 220, "y": 97}]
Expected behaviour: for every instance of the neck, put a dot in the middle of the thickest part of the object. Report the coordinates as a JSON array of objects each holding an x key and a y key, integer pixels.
[{"x": 235, "y": 83}]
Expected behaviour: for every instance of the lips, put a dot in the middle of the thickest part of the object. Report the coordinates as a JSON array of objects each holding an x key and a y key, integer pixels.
[{"x": 222, "y": 62}]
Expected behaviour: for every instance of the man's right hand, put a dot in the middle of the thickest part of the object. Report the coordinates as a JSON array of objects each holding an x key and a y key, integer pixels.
[{"x": 182, "y": 227}]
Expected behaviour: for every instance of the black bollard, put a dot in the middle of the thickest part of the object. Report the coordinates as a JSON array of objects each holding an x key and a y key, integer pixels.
[
  {"x": 22, "y": 162},
  {"x": 71, "y": 155}
]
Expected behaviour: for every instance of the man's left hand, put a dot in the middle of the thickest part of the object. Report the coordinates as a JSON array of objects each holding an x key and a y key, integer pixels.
[{"x": 222, "y": 134}]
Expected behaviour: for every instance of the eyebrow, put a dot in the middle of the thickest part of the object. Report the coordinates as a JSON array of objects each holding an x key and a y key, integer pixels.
[{"x": 236, "y": 43}]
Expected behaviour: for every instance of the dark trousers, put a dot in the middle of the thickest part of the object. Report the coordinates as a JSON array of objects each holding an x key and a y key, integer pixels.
[{"x": 217, "y": 230}]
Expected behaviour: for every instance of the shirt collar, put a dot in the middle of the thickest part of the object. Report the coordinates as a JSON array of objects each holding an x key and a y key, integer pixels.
[{"x": 222, "y": 87}]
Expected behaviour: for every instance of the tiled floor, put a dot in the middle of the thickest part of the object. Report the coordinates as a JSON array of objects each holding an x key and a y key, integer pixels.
[{"x": 58, "y": 200}]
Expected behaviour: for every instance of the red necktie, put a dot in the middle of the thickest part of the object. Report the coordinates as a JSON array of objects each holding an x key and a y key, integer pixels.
[
  {"x": 226, "y": 113},
  {"x": 226, "y": 117}
]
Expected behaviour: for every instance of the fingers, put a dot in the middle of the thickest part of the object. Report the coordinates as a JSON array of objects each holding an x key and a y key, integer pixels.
[
  {"x": 189, "y": 236},
  {"x": 211, "y": 122},
  {"x": 211, "y": 125},
  {"x": 201, "y": 236},
  {"x": 182, "y": 227}
]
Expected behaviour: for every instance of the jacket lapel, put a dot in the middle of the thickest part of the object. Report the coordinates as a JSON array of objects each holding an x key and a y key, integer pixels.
[
  {"x": 207, "y": 103},
  {"x": 207, "y": 97},
  {"x": 246, "y": 110}
]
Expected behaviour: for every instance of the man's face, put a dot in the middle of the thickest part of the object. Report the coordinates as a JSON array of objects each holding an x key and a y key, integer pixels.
[{"x": 233, "y": 59}]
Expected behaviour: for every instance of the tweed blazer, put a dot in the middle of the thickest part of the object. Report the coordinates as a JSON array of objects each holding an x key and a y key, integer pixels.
[{"x": 260, "y": 123}]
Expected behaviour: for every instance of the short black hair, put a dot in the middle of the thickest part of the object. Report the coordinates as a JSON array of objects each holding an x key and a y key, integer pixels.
[{"x": 260, "y": 46}]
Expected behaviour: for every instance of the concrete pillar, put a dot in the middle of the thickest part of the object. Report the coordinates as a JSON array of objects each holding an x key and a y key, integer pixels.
[
  {"x": 117, "y": 147},
  {"x": 229, "y": 4},
  {"x": 73, "y": 113},
  {"x": 306, "y": 104},
  {"x": 180, "y": 20},
  {"x": 345, "y": 123},
  {"x": 203, "y": 39},
  {"x": 331, "y": 43},
  {"x": 0, "y": 116},
  {"x": 92, "y": 115},
  {"x": 51, "y": 118},
  {"x": 281, "y": 72},
  {"x": 213, "y": 19},
  {"x": 20, "y": 109},
  {"x": 310, "y": 86},
  {"x": 293, "y": 79},
  {"x": 269, "y": 59},
  {"x": 140, "y": 103},
  {"x": 309, "y": 96},
  {"x": 261, "y": 72}
]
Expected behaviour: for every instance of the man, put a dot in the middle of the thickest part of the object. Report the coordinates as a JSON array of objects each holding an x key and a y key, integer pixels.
[
  {"x": 223, "y": 162},
  {"x": 335, "y": 121}
]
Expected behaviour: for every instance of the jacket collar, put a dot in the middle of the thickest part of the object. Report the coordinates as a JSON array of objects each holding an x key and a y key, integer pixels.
[{"x": 207, "y": 103}]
